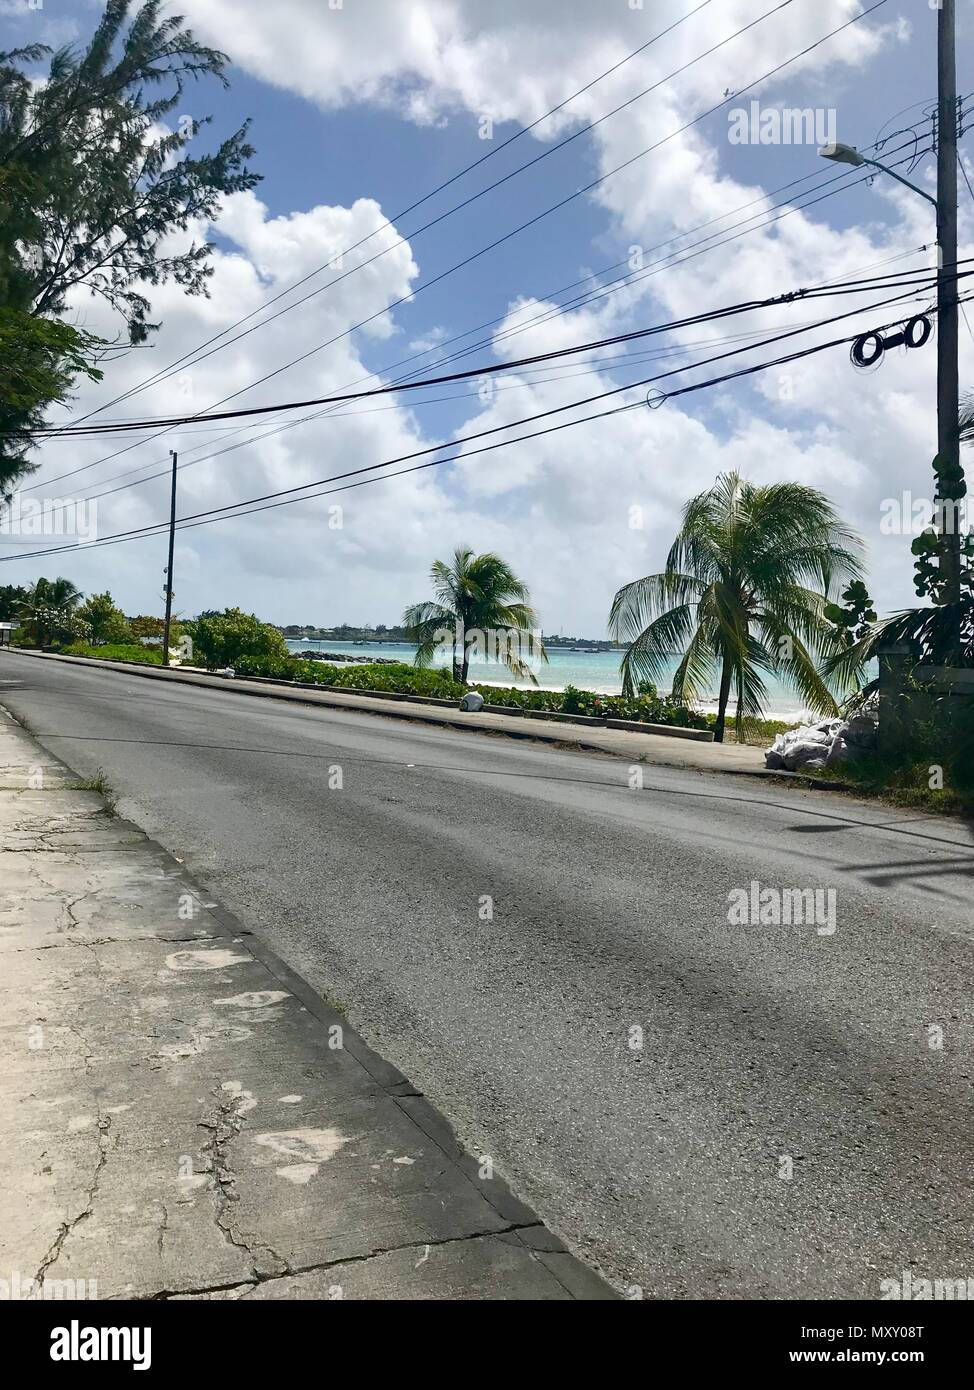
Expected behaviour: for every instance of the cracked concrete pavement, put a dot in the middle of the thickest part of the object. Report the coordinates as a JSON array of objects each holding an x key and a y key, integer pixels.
[{"x": 186, "y": 1118}]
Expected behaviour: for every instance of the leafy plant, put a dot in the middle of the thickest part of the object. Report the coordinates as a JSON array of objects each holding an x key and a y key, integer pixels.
[
  {"x": 476, "y": 595},
  {"x": 116, "y": 651},
  {"x": 852, "y": 621},
  {"x": 93, "y": 184},
  {"x": 39, "y": 361},
  {"x": 48, "y": 612},
  {"x": 108, "y": 623},
  {"x": 743, "y": 593},
  {"x": 224, "y": 639}
]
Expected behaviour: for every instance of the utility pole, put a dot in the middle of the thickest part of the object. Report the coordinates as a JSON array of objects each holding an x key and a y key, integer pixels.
[
  {"x": 948, "y": 440},
  {"x": 948, "y": 390},
  {"x": 172, "y": 546}
]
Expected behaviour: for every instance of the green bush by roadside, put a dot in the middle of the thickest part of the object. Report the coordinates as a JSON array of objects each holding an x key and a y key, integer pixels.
[
  {"x": 228, "y": 638},
  {"x": 649, "y": 706},
  {"x": 116, "y": 651}
]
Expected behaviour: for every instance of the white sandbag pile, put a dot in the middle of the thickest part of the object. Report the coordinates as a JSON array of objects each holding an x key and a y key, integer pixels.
[{"x": 824, "y": 744}]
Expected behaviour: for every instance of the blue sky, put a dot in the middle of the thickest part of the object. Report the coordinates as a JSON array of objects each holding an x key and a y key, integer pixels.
[{"x": 360, "y": 110}]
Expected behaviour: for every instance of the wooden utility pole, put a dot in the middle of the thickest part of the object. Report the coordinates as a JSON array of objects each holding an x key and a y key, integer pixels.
[
  {"x": 172, "y": 546},
  {"x": 948, "y": 391}
]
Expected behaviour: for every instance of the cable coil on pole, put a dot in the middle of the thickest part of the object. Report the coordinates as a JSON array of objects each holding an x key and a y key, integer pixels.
[{"x": 869, "y": 348}]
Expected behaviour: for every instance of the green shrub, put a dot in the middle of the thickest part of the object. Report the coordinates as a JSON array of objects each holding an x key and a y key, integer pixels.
[
  {"x": 225, "y": 639},
  {"x": 647, "y": 707},
  {"x": 116, "y": 651},
  {"x": 107, "y": 622}
]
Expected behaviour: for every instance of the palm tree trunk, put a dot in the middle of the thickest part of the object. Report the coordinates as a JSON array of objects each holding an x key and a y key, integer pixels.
[
  {"x": 466, "y": 664},
  {"x": 725, "y": 682}
]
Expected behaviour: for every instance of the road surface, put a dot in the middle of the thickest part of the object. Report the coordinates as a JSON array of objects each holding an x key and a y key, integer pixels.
[{"x": 702, "y": 1108}]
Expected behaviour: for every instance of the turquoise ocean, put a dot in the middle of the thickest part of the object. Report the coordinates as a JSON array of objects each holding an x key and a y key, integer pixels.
[{"x": 586, "y": 670}]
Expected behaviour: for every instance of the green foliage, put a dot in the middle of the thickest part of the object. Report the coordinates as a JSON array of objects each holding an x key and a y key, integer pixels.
[
  {"x": 226, "y": 638},
  {"x": 935, "y": 772},
  {"x": 929, "y": 580},
  {"x": 648, "y": 707},
  {"x": 143, "y": 626},
  {"x": 39, "y": 360},
  {"x": 116, "y": 651},
  {"x": 94, "y": 181},
  {"x": 743, "y": 594},
  {"x": 478, "y": 598},
  {"x": 12, "y": 599},
  {"x": 108, "y": 622},
  {"x": 853, "y": 621},
  {"x": 399, "y": 678},
  {"x": 48, "y": 613}
]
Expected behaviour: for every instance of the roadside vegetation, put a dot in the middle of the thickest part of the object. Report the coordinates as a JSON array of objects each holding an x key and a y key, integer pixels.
[
  {"x": 54, "y": 615},
  {"x": 743, "y": 595},
  {"x": 478, "y": 600},
  {"x": 648, "y": 705},
  {"x": 116, "y": 651}
]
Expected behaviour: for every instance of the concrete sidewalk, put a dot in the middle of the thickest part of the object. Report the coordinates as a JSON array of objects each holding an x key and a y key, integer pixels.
[
  {"x": 661, "y": 749},
  {"x": 184, "y": 1117}
]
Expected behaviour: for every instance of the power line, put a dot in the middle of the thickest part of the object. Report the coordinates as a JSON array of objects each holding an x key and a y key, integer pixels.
[
  {"x": 609, "y": 363},
  {"x": 403, "y": 212},
  {"x": 683, "y": 350},
  {"x": 841, "y": 288},
  {"x": 710, "y": 316},
  {"x": 587, "y": 188},
  {"x": 970, "y": 190},
  {"x": 562, "y": 203},
  {"x": 540, "y": 318},
  {"x": 270, "y": 500}
]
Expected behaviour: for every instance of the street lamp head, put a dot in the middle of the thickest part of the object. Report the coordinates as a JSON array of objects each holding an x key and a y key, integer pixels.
[{"x": 842, "y": 154}]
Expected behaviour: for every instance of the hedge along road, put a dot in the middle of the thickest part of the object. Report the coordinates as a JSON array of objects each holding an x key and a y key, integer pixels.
[{"x": 701, "y": 1108}]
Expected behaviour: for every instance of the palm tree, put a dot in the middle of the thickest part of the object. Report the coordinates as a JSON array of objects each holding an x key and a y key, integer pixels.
[
  {"x": 744, "y": 591},
  {"x": 45, "y": 600},
  {"x": 479, "y": 598}
]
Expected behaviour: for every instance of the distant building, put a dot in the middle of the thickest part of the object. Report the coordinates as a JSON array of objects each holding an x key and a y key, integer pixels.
[{"x": 6, "y": 632}]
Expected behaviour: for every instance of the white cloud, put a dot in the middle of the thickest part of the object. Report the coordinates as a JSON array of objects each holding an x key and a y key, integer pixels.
[{"x": 561, "y": 504}]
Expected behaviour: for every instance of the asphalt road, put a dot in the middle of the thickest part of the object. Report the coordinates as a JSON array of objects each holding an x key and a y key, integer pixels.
[{"x": 790, "y": 1127}]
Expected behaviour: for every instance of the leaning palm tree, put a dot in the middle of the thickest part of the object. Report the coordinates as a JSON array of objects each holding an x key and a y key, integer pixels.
[
  {"x": 479, "y": 600},
  {"x": 743, "y": 592}
]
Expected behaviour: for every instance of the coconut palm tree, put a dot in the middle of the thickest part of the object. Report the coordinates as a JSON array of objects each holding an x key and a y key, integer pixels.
[
  {"x": 743, "y": 592},
  {"x": 47, "y": 601},
  {"x": 479, "y": 599}
]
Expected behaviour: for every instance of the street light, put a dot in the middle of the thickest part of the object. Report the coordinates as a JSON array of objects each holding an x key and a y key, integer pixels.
[
  {"x": 848, "y": 154},
  {"x": 842, "y": 154}
]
